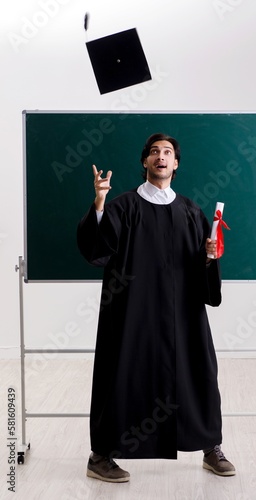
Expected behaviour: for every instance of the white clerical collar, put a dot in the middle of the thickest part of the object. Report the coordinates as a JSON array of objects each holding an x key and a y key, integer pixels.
[
  {"x": 152, "y": 190},
  {"x": 155, "y": 195}
]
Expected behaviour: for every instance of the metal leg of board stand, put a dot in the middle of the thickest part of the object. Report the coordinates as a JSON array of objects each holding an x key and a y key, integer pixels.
[{"x": 24, "y": 446}]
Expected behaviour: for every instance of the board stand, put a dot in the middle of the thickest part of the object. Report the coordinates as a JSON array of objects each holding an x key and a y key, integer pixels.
[{"x": 24, "y": 446}]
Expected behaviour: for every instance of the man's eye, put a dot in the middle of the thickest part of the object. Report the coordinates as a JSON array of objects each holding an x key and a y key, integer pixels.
[
  {"x": 154, "y": 151},
  {"x": 168, "y": 152}
]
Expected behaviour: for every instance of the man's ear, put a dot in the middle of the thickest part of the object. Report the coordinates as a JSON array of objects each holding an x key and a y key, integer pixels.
[{"x": 176, "y": 165}]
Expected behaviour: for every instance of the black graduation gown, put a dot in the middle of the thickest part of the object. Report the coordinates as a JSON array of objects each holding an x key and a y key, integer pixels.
[{"x": 155, "y": 387}]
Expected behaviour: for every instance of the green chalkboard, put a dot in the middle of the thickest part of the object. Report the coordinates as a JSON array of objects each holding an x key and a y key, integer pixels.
[{"x": 218, "y": 163}]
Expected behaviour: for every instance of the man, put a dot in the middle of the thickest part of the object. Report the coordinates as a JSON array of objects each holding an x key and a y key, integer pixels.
[{"x": 155, "y": 387}]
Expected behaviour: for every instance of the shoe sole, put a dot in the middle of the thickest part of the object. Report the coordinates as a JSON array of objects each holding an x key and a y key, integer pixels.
[
  {"x": 90, "y": 473},
  {"x": 226, "y": 473}
]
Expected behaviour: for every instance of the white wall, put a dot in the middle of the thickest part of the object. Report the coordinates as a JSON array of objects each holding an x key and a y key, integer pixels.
[{"x": 202, "y": 55}]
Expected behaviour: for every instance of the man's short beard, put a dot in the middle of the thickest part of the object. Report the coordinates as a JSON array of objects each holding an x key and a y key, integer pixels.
[{"x": 155, "y": 175}]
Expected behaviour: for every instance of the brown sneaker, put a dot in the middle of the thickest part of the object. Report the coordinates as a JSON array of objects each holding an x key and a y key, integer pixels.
[
  {"x": 106, "y": 469},
  {"x": 217, "y": 463}
]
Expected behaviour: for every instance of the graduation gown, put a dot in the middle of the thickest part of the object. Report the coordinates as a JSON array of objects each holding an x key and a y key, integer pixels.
[{"x": 155, "y": 388}]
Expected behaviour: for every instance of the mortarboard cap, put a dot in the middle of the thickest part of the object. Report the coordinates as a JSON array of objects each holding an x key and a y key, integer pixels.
[{"x": 118, "y": 61}]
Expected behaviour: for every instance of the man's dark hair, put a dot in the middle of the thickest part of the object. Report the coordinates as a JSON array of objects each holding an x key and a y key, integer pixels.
[{"x": 159, "y": 137}]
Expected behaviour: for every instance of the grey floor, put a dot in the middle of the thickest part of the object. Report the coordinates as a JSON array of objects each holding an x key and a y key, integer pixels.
[{"x": 55, "y": 466}]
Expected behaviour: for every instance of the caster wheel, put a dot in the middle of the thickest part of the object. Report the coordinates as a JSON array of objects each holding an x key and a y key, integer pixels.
[{"x": 20, "y": 459}]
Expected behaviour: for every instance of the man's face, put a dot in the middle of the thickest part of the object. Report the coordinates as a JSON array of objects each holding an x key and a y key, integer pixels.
[{"x": 160, "y": 162}]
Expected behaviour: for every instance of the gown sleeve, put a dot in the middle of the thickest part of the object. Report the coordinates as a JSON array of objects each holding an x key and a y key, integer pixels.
[
  {"x": 97, "y": 242},
  {"x": 213, "y": 284}
]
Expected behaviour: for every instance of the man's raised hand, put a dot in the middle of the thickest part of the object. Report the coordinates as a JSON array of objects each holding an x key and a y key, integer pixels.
[{"x": 101, "y": 186}]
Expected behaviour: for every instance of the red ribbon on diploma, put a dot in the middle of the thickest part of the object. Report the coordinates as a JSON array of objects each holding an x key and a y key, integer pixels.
[{"x": 219, "y": 233}]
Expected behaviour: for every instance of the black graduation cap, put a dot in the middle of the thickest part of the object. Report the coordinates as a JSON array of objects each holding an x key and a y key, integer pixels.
[{"x": 118, "y": 61}]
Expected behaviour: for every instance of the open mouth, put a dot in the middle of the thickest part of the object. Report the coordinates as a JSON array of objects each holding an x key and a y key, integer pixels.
[{"x": 160, "y": 166}]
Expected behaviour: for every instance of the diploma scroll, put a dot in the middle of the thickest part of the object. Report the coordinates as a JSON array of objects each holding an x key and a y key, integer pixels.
[{"x": 217, "y": 233}]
